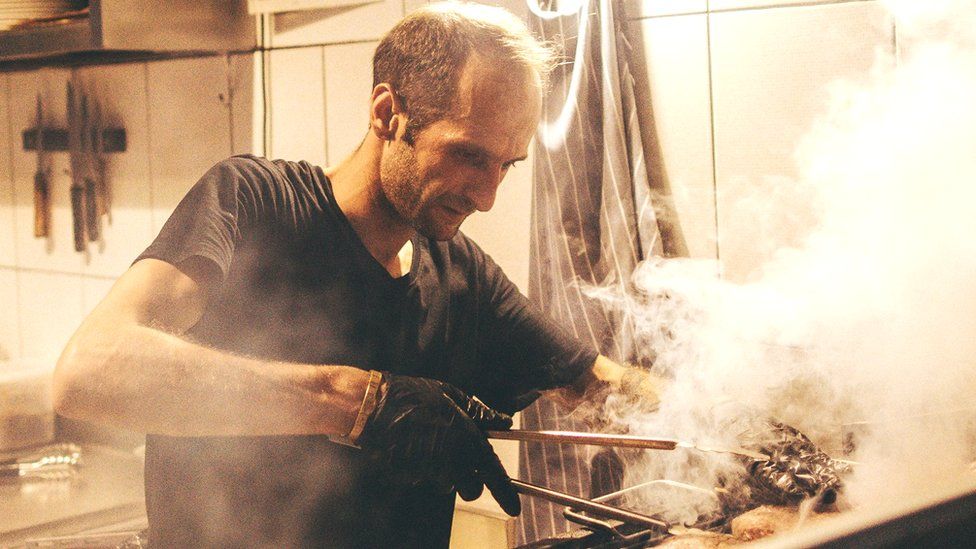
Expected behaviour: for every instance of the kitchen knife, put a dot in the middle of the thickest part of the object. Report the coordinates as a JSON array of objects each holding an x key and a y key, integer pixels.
[
  {"x": 42, "y": 188},
  {"x": 617, "y": 441},
  {"x": 88, "y": 151},
  {"x": 98, "y": 161},
  {"x": 75, "y": 134}
]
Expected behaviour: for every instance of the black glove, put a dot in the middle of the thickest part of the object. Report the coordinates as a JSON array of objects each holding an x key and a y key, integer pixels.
[{"x": 425, "y": 431}]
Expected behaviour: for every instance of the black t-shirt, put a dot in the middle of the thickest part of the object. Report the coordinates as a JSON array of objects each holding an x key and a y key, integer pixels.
[{"x": 295, "y": 283}]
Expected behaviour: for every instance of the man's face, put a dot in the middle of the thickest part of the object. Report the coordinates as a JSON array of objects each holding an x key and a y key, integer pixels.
[{"x": 455, "y": 164}]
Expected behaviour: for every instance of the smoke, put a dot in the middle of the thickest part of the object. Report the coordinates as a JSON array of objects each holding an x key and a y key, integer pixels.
[{"x": 862, "y": 329}]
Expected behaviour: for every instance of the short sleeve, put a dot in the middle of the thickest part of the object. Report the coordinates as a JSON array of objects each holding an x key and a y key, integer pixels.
[
  {"x": 531, "y": 350},
  {"x": 206, "y": 224}
]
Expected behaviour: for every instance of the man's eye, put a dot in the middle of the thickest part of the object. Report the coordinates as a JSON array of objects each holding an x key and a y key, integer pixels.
[
  {"x": 511, "y": 164},
  {"x": 470, "y": 157}
]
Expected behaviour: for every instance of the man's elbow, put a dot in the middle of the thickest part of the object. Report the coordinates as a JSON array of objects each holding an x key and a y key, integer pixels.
[{"x": 70, "y": 391}]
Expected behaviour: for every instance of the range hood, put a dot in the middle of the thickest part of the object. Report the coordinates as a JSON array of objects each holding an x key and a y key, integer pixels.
[{"x": 133, "y": 26}]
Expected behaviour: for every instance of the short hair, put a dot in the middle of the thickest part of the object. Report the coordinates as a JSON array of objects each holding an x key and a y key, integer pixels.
[{"x": 422, "y": 57}]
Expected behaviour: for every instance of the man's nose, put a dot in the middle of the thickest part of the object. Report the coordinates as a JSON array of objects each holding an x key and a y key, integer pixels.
[{"x": 482, "y": 194}]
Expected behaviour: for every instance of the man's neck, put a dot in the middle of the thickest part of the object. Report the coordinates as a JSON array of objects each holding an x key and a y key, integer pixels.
[{"x": 356, "y": 186}]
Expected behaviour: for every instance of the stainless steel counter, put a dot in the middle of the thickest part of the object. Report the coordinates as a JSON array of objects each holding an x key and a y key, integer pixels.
[{"x": 107, "y": 490}]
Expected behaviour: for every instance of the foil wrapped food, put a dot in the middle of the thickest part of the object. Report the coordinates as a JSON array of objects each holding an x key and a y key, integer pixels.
[{"x": 797, "y": 469}]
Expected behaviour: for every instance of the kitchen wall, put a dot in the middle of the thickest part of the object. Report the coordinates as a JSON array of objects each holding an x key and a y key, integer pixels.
[
  {"x": 179, "y": 120},
  {"x": 727, "y": 88}
]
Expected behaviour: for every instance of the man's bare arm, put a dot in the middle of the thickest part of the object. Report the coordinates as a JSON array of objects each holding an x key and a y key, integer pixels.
[{"x": 127, "y": 366}]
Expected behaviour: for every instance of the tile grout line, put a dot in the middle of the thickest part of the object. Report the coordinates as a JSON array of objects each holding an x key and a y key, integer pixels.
[
  {"x": 708, "y": 10},
  {"x": 18, "y": 315},
  {"x": 229, "y": 99},
  {"x": 35, "y": 270},
  {"x": 10, "y": 159},
  {"x": 267, "y": 121},
  {"x": 149, "y": 149},
  {"x": 325, "y": 112},
  {"x": 711, "y": 130},
  {"x": 804, "y": 4},
  {"x": 894, "y": 42}
]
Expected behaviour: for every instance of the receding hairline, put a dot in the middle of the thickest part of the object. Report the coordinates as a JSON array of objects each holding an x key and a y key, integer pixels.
[{"x": 507, "y": 37}]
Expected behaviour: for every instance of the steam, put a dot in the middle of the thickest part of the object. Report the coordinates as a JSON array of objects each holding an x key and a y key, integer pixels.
[{"x": 866, "y": 325}]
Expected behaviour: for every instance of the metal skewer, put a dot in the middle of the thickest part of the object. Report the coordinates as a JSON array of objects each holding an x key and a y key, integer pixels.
[
  {"x": 617, "y": 441},
  {"x": 591, "y": 439}
]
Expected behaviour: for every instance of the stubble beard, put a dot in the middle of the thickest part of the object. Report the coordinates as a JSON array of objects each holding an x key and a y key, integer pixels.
[{"x": 403, "y": 194}]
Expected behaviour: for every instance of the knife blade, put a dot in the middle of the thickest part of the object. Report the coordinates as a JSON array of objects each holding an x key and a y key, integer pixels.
[
  {"x": 88, "y": 154},
  {"x": 77, "y": 186},
  {"x": 42, "y": 188}
]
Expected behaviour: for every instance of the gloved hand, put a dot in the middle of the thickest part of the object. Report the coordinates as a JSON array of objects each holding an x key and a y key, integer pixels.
[
  {"x": 643, "y": 388},
  {"x": 637, "y": 394},
  {"x": 425, "y": 431}
]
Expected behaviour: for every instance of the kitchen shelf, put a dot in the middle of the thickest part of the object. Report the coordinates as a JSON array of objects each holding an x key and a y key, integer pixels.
[
  {"x": 127, "y": 26},
  {"x": 281, "y": 6}
]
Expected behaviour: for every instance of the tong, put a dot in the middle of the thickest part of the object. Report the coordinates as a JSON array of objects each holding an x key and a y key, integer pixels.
[
  {"x": 618, "y": 441},
  {"x": 596, "y": 507},
  {"x": 54, "y": 462}
]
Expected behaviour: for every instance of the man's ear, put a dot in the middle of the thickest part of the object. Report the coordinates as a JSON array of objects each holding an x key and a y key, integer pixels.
[{"x": 385, "y": 112}]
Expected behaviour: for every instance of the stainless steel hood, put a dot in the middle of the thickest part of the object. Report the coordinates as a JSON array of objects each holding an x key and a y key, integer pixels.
[{"x": 174, "y": 26}]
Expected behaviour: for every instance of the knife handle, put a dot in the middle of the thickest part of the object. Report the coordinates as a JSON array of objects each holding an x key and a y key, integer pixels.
[
  {"x": 78, "y": 216},
  {"x": 91, "y": 210},
  {"x": 42, "y": 205}
]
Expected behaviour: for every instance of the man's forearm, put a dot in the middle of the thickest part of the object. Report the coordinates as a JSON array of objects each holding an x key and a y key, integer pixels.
[{"x": 146, "y": 380}]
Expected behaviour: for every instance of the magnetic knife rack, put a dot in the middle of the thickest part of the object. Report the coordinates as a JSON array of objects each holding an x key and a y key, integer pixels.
[{"x": 56, "y": 139}]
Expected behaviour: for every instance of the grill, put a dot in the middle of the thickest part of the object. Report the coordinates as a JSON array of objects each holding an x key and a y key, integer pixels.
[
  {"x": 783, "y": 468},
  {"x": 606, "y": 525}
]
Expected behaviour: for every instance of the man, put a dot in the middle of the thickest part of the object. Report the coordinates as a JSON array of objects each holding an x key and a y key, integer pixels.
[{"x": 283, "y": 308}]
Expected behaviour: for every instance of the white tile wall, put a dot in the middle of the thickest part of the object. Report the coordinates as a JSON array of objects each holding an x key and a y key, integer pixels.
[
  {"x": 120, "y": 90},
  {"x": 654, "y": 8},
  {"x": 93, "y": 290},
  {"x": 410, "y": 5},
  {"x": 50, "y": 311},
  {"x": 348, "y": 85},
  {"x": 9, "y": 317},
  {"x": 518, "y": 7},
  {"x": 298, "y": 105},
  {"x": 57, "y": 251},
  {"x": 244, "y": 88},
  {"x": 503, "y": 232},
  {"x": 190, "y": 126},
  {"x": 336, "y": 25},
  {"x": 770, "y": 72},
  {"x": 8, "y": 253},
  {"x": 673, "y": 97},
  {"x": 745, "y": 4}
]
